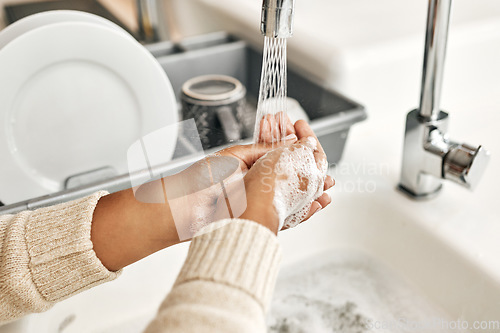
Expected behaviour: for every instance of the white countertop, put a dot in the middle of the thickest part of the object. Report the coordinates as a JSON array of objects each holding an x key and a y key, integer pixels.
[
  {"x": 470, "y": 221},
  {"x": 332, "y": 38}
]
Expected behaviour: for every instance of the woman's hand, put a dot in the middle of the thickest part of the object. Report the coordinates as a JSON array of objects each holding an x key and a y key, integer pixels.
[
  {"x": 263, "y": 177},
  {"x": 132, "y": 224},
  {"x": 273, "y": 128},
  {"x": 214, "y": 187}
]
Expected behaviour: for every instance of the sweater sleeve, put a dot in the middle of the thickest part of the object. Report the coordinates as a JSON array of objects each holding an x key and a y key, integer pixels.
[
  {"x": 226, "y": 282},
  {"x": 46, "y": 256}
]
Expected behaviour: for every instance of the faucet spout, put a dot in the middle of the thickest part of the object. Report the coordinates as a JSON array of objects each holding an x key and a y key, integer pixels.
[{"x": 277, "y": 18}]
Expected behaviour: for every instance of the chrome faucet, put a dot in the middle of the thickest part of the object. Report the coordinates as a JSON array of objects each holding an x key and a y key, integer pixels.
[
  {"x": 277, "y": 18},
  {"x": 151, "y": 20},
  {"x": 429, "y": 156}
]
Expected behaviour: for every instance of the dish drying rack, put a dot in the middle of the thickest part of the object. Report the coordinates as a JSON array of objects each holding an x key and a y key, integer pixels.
[{"x": 331, "y": 114}]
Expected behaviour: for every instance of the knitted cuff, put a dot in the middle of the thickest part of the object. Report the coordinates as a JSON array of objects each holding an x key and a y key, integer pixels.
[
  {"x": 238, "y": 253},
  {"x": 62, "y": 259}
]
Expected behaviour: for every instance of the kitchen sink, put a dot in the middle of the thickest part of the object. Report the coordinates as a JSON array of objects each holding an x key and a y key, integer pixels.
[
  {"x": 373, "y": 256},
  {"x": 369, "y": 256},
  {"x": 365, "y": 257}
]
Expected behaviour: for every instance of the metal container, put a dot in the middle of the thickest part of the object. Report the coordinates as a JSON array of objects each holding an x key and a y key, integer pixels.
[
  {"x": 331, "y": 114},
  {"x": 216, "y": 103}
]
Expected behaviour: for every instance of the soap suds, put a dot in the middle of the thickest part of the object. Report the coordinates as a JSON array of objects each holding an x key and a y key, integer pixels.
[
  {"x": 299, "y": 181},
  {"x": 345, "y": 291}
]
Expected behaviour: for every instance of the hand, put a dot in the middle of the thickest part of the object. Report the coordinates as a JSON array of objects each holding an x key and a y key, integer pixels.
[
  {"x": 126, "y": 229},
  {"x": 269, "y": 128},
  {"x": 303, "y": 130},
  {"x": 270, "y": 132},
  {"x": 132, "y": 224},
  {"x": 262, "y": 178},
  {"x": 213, "y": 188}
]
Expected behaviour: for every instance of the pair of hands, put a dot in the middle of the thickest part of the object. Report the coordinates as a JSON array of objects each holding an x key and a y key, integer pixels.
[
  {"x": 132, "y": 224},
  {"x": 239, "y": 182},
  {"x": 255, "y": 159}
]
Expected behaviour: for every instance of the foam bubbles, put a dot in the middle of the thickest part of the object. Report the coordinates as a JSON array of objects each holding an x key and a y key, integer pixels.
[
  {"x": 299, "y": 181},
  {"x": 346, "y": 291}
]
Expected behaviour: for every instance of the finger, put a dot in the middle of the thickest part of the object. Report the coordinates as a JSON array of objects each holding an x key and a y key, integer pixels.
[
  {"x": 274, "y": 127},
  {"x": 265, "y": 129},
  {"x": 275, "y": 131},
  {"x": 286, "y": 124},
  {"x": 290, "y": 129},
  {"x": 329, "y": 182},
  {"x": 262, "y": 125},
  {"x": 249, "y": 154},
  {"x": 315, "y": 207},
  {"x": 324, "y": 200},
  {"x": 303, "y": 131}
]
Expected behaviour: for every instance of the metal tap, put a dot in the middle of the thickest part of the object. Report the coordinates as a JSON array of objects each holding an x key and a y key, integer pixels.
[
  {"x": 429, "y": 156},
  {"x": 277, "y": 18}
]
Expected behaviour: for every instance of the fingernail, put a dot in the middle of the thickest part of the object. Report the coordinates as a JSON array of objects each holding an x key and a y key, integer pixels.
[
  {"x": 330, "y": 181},
  {"x": 291, "y": 137}
]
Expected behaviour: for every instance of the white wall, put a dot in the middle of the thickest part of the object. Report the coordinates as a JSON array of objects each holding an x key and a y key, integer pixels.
[
  {"x": 185, "y": 17},
  {"x": 124, "y": 9}
]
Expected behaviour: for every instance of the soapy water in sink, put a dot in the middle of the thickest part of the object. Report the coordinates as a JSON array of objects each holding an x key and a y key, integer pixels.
[{"x": 350, "y": 292}]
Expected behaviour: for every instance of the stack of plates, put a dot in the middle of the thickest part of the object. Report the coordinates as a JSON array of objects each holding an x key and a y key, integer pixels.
[{"x": 76, "y": 91}]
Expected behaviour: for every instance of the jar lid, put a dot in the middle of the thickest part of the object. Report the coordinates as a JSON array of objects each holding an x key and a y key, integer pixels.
[{"x": 214, "y": 88}]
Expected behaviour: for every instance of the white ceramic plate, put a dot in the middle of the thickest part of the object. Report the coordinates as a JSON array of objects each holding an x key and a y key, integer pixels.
[
  {"x": 31, "y": 22},
  {"x": 74, "y": 97}
]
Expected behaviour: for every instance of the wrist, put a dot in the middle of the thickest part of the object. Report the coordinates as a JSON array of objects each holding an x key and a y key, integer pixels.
[
  {"x": 266, "y": 217},
  {"x": 125, "y": 230}
]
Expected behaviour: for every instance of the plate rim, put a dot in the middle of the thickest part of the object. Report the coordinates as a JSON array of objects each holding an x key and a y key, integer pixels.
[
  {"x": 8, "y": 170},
  {"x": 31, "y": 22}
]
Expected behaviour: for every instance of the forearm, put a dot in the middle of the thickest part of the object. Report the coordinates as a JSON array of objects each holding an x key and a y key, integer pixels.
[
  {"x": 125, "y": 230},
  {"x": 128, "y": 226}
]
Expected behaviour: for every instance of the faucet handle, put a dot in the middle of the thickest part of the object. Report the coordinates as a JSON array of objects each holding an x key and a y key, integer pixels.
[{"x": 465, "y": 164}]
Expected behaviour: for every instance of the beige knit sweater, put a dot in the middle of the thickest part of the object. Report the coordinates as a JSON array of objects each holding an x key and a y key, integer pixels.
[{"x": 225, "y": 284}]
